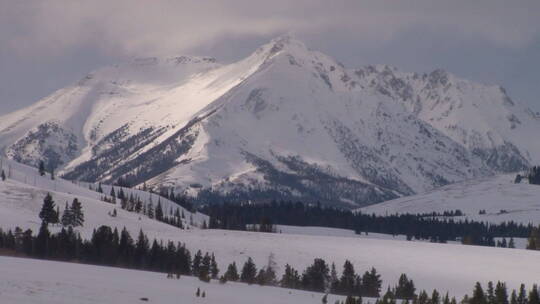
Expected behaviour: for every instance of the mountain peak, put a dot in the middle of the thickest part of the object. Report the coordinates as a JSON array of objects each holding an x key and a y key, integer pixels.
[{"x": 282, "y": 43}]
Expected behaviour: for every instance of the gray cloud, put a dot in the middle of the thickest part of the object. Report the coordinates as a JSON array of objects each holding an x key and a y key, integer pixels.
[{"x": 62, "y": 40}]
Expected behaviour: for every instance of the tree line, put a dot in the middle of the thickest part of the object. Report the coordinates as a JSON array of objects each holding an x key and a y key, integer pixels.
[
  {"x": 112, "y": 248},
  {"x": 436, "y": 228}
]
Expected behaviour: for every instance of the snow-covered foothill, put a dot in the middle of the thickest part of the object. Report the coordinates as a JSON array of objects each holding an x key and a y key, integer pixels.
[{"x": 500, "y": 198}]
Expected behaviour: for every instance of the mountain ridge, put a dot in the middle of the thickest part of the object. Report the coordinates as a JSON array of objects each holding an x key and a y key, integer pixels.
[{"x": 285, "y": 123}]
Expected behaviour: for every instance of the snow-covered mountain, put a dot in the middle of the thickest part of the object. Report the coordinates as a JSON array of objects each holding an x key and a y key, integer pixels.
[{"x": 285, "y": 122}]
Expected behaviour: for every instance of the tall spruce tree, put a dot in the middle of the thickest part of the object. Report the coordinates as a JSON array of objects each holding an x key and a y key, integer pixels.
[
  {"x": 204, "y": 270},
  {"x": 41, "y": 168},
  {"x": 196, "y": 265},
  {"x": 249, "y": 272},
  {"x": 371, "y": 284},
  {"x": 67, "y": 216},
  {"x": 513, "y": 297},
  {"x": 478, "y": 297},
  {"x": 159, "y": 211},
  {"x": 534, "y": 297},
  {"x": 347, "y": 282},
  {"x": 48, "y": 213},
  {"x": 501, "y": 293},
  {"x": 150, "y": 210},
  {"x": 291, "y": 278},
  {"x": 77, "y": 213},
  {"x": 232, "y": 273},
  {"x": 42, "y": 241},
  {"x": 405, "y": 288},
  {"x": 522, "y": 295},
  {"x": 316, "y": 276},
  {"x": 214, "y": 270}
]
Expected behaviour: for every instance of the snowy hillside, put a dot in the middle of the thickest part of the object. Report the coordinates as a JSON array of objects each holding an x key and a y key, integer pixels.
[
  {"x": 20, "y": 202},
  {"x": 73, "y": 283},
  {"x": 459, "y": 266},
  {"x": 285, "y": 122},
  {"x": 502, "y": 200},
  {"x": 21, "y": 197}
]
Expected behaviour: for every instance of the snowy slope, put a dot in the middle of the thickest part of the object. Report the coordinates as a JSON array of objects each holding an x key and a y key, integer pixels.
[
  {"x": 32, "y": 281},
  {"x": 458, "y": 266},
  {"x": 21, "y": 197},
  {"x": 520, "y": 201},
  {"x": 285, "y": 122}
]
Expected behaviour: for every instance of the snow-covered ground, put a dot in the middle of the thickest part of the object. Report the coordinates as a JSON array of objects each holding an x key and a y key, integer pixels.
[
  {"x": 502, "y": 200},
  {"x": 25, "y": 281},
  {"x": 21, "y": 197},
  {"x": 447, "y": 267}
]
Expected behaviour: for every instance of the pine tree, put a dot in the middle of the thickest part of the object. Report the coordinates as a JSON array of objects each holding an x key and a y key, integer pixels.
[
  {"x": 534, "y": 239},
  {"x": 371, "y": 284},
  {"x": 198, "y": 292},
  {"x": 150, "y": 210},
  {"x": 522, "y": 296},
  {"x": 48, "y": 213},
  {"x": 501, "y": 294},
  {"x": 490, "y": 293},
  {"x": 196, "y": 265},
  {"x": 159, "y": 211},
  {"x": 478, "y": 296},
  {"x": 204, "y": 270},
  {"x": 232, "y": 273},
  {"x": 435, "y": 297},
  {"x": 249, "y": 272},
  {"x": 67, "y": 216},
  {"x": 348, "y": 279},
  {"x": 214, "y": 270},
  {"x": 316, "y": 276},
  {"x": 41, "y": 168},
  {"x": 138, "y": 206},
  {"x": 334, "y": 281},
  {"x": 42, "y": 240},
  {"x": 261, "y": 277},
  {"x": 141, "y": 250},
  {"x": 423, "y": 298},
  {"x": 511, "y": 243},
  {"x": 3, "y": 174},
  {"x": 290, "y": 278},
  {"x": 513, "y": 298},
  {"x": 534, "y": 297},
  {"x": 100, "y": 190},
  {"x": 77, "y": 213},
  {"x": 405, "y": 288}
]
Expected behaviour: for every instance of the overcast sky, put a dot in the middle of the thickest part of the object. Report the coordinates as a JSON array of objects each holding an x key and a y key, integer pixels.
[{"x": 46, "y": 45}]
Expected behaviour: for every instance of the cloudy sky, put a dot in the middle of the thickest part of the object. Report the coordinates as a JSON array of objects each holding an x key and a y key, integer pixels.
[{"x": 45, "y": 45}]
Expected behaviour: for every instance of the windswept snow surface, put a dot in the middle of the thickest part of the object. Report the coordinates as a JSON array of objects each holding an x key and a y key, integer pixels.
[
  {"x": 25, "y": 281},
  {"x": 286, "y": 122},
  {"x": 500, "y": 197}
]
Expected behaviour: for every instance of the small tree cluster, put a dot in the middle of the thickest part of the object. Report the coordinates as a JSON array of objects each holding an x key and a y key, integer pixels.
[{"x": 73, "y": 215}]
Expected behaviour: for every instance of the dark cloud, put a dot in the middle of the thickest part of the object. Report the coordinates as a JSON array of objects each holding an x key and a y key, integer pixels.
[{"x": 48, "y": 44}]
